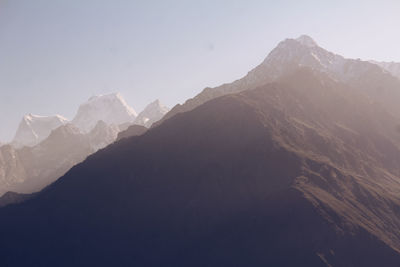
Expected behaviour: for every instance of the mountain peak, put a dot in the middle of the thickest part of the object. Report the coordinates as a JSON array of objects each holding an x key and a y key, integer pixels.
[
  {"x": 114, "y": 95},
  {"x": 35, "y": 128},
  {"x": 151, "y": 113},
  {"x": 156, "y": 103},
  {"x": 111, "y": 108},
  {"x": 306, "y": 41}
]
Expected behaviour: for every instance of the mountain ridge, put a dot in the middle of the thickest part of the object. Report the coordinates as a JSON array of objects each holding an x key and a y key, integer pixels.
[
  {"x": 290, "y": 54},
  {"x": 270, "y": 176}
]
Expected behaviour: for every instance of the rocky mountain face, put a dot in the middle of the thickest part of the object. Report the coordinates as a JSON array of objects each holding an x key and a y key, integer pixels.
[
  {"x": 152, "y": 113},
  {"x": 33, "y": 129},
  {"x": 392, "y": 67},
  {"x": 102, "y": 135},
  {"x": 304, "y": 171},
  {"x": 291, "y": 54}
]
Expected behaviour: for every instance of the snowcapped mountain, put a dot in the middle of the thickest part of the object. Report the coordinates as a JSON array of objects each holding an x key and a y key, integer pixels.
[
  {"x": 34, "y": 128},
  {"x": 292, "y": 54},
  {"x": 392, "y": 67},
  {"x": 305, "y": 52},
  {"x": 111, "y": 109},
  {"x": 151, "y": 113}
]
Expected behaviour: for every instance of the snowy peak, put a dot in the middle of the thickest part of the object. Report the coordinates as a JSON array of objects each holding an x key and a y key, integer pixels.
[
  {"x": 304, "y": 52},
  {"x": 306, "y": 41},
  {"x": 153, "y": 112},
  {"x": 155, "y": 106},
  {"x": 111, "y": 109},
  {"x": 34, "y": 128}
]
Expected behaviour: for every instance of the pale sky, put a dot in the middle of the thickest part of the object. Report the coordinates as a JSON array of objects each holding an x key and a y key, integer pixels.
[{"x": 55, "y": 54}]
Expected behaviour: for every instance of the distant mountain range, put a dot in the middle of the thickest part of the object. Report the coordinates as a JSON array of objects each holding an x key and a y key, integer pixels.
[
  {"x": 44, "y": 148},
  {"x": 296, "y": 164},
  {"x": 112, "y": 109}
]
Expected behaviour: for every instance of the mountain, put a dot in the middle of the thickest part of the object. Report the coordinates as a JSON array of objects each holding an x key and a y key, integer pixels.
[
  {"x": 34, "y": 128},
  {"x": 290, "y": 54},
  {"x": 300, "y": 172},
  {"x": 152, "y": 113},
  {"x": 102, "y": 135},
  {"x": 30, "y": 169},
  {"x": 391, "y": 67},
  {"x": 111, "y": 109}
]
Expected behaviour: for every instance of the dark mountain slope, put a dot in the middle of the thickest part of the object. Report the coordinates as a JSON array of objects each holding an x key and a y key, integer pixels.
[
  {"x": 283, "y": 175},
  {"x": 12, "y": 198}
]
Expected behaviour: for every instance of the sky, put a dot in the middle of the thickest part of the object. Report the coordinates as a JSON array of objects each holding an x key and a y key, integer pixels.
[{"x": 55, "y": 54}]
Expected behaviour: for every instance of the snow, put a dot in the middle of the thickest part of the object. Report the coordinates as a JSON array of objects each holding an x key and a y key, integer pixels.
[
  {"x": 34, "y": 128},
  {"x": 111, "y": 109},
  {"x": 306, "y": 41}
]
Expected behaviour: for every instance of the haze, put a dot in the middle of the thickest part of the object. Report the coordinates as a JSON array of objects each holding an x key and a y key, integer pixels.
[{"x": 56, "y": 54}]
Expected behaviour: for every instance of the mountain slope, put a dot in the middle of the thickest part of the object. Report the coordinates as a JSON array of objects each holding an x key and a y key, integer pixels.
[
  {"x": 303, "y": 172},
  {"x": 133, "y": 130},
  {"x": 33, "y": 129}
]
